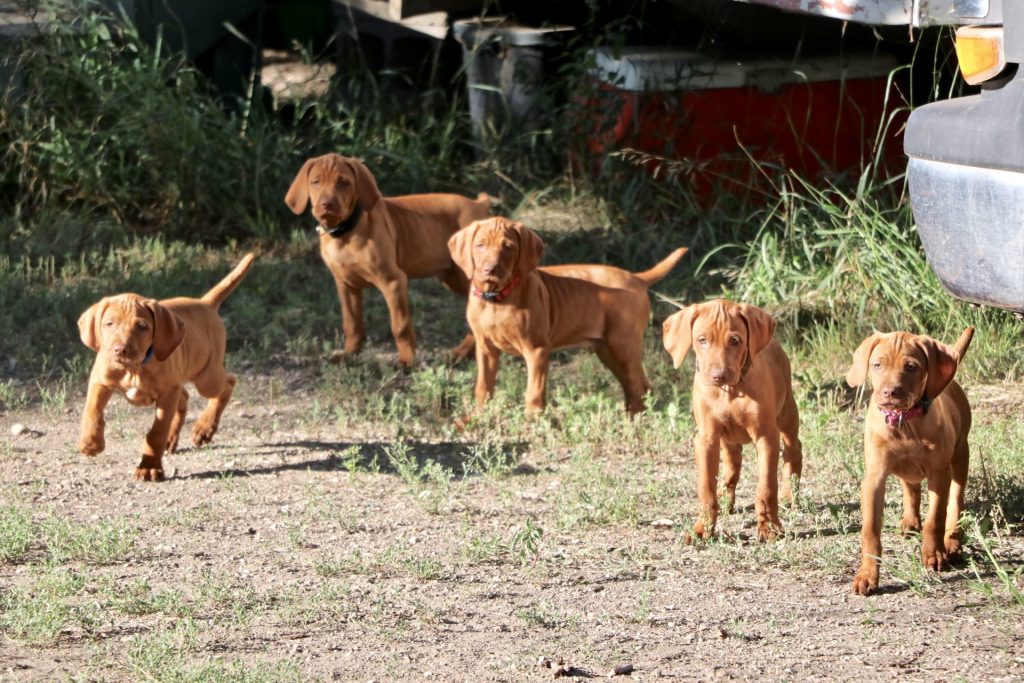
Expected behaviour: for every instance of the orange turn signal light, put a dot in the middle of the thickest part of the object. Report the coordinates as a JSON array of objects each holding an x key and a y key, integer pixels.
[{"x": 980, "y": 51}]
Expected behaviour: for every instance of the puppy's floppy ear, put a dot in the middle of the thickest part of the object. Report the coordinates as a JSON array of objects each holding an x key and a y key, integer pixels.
[
  {"x": 298, "y": 194},
  {"x": 942, "y": 362},
  {"x": 366, "y": 185},
  {"x": 89, "y": 324},
  {"x": 858, "y": 371},
  {"x": 531, "y": 248},
  {"x": 760, "y": 328},
  {"x": 168, "y": 330},
  {"x": 677, "y": 332},
  {"x": 460, "y": 245}
]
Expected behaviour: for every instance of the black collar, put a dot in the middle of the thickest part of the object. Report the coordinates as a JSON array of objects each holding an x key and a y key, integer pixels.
[
  {"x": 149, "y": 356},
  {"x": 349, "y": 224}
]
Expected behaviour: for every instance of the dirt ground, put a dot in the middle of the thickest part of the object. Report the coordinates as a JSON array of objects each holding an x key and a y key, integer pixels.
[{"x": 350, "y": 576}]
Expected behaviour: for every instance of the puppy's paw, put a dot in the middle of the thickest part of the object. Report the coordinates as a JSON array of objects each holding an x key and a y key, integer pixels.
[
  {"x": 92, "y": 444},
  {"x": 461, "y": 352},
  {"x": 701, "y": 532},
  {"x": 910, "y": 525},
  {"x": 769, "y": 531},
  {"x": 866, "y": 581},
  {"x": 172, "y": 443},
  {"x": 340, "y": 357},
  {"x": 935, "y": 559},
  {"x": 150, "y": 469},
  {"x": 464, "y": 423},
  {"x": 953, "y": 547},
  {"x": 202, "y": 432}
]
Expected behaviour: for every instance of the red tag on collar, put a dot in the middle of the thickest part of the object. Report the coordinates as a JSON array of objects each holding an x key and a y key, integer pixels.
[{"x": 496, "y": 297}]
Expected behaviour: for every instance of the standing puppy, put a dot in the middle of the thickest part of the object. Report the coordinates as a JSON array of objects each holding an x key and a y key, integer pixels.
[
  {"x": 368, "y": 240},
  {"x": 521, "y": 309},
  {"x": 742, "y": 392},
  {"x": 916, "y": 428},
  {"x": 147, "y": 350}
]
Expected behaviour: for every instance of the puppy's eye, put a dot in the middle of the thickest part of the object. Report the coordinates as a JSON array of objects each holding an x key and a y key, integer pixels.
[
  {"x": 140, "y": 326},
  {"x": 876, "y": 365},
  {"x": 734, "y": 341},
  {"x": 314, "y": 181},
  {"x": 911, "y": 367},
  {"x": 479, "y": 245},
  {"x": 703, "y": 341},
  {"x": 109, "y": 323}
]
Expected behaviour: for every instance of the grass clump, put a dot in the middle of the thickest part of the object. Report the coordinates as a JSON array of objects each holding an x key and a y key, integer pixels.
[
  {"x": 101, "y": 543},
  {"x": 15, "y": 533},
  {"x": 36, "y": 613}
]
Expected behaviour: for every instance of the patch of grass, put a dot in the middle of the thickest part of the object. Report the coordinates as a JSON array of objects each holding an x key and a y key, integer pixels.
[
  {"x": 38, "y": 611},
  {"x": 545, "y": 615},
  {"x": 138, "y": 598},
  {"x": 12, "y": 395},
  {"x": 104, "y": 542},
  {"x": 15, "y": 533},
  {"x": 173, "y": 654},
  {"x": 1010, "y": 582}
]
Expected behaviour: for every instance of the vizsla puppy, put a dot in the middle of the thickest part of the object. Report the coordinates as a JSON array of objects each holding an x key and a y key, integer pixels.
[
  {"x": 528, "y": 311},
  {"x": 369, "y": 240},
  {"x": 916, "y": 428},
  {"x": 147, "y": 350},
  {"x": 742, "y": 393}
]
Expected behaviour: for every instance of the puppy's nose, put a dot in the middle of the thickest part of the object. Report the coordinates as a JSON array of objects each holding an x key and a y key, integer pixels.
[
  {"x": 490, "y": 268},
  {"x": 118, "y": 349},
  {"x": 894, "y": 392},
  {"x": 327, "y": 201},
  {"x": 717, "y": 374}
]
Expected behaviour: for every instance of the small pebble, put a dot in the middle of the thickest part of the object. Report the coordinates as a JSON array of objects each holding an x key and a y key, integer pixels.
[{"x": 17, "y": 429}]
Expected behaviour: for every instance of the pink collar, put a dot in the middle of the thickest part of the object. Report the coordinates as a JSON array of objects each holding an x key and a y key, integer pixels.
[
  {"x": 896, "y": 418},
  {"x": 497, "y": 297}
]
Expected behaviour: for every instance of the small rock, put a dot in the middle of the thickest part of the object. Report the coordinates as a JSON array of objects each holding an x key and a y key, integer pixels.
[
  {"x": 17, "y": 429},
  {"x": 663, "y": 523}
]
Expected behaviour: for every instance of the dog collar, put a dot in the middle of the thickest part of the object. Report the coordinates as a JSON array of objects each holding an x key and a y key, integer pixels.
[
  {"x": 896, "y": 418},
  {"x": 346, "y": 226},
  {"x": 496, "y": 297},
  {"x": 148, "y": 357}
]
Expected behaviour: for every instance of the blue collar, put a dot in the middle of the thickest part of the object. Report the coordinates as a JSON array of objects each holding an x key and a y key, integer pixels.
[
  {"x": 349, "y": 224},
  {"x": 149, "y": 356}
]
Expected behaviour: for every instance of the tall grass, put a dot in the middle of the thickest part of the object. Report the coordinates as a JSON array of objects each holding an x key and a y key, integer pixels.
[{"x": 107, "y": 127}]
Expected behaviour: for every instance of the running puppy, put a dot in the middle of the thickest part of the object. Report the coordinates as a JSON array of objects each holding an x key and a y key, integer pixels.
[{"x": 147, "y": 350}]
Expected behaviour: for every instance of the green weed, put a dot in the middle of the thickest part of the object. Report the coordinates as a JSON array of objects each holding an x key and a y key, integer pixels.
[
  {"x": 104, "y": 542},
  {"x": 15, "y": 533},
  {"x": 38, "y": 611}
]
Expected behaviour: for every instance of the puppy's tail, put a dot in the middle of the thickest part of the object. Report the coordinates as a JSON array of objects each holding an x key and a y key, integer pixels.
[
  {"x": 962, "y": 344},
  {"x": 488, "y": 200},
  {"x": 662, "y": 269},
  {"x": 215, "y": 297}
]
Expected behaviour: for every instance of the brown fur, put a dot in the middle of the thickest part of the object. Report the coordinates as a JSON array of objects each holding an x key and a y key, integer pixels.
[
  {"x": 396, "y": 239},
  {"x": 903, "y": 367},
  {"x": 188, "y": 341},
  {"x": 552, "y": 308},
  {"x": 742, "y": 393}
]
